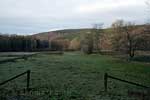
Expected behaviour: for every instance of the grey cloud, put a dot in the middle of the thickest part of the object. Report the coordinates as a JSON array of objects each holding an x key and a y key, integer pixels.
[{"x": 32, "y": 16}]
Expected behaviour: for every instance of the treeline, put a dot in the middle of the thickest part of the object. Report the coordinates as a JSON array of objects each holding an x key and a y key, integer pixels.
[
  {"x": 121, "y": 38},
  {"x": 125, "y": 38},
  {"x": 21, "y": 43}
]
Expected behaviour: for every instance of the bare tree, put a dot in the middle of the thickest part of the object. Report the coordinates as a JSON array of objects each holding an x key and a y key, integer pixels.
[
  {"x": 87, "y": 43},
  {"x": 97, "y": 31},
  {"x": 117, "y": 38},
  {"x": 125, "y": 37},
  {"x": 128, "y": 28}
]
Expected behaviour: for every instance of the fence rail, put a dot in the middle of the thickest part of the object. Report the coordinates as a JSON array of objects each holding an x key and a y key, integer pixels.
[
  {"x": 28, "y": 79},
  {"x": 25, "y": 57},
  {"x": 106, "y": 77}
]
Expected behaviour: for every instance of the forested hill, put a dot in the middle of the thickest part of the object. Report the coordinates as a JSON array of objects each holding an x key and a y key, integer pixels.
[
  {"x": 66, "y": 33},
  {"x": 69, "y": 33}
]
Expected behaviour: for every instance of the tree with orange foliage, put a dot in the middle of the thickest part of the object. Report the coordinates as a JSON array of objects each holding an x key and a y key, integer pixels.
[
  {"x": 75, "y": 44},
  {"x": 125, "y": 38}
]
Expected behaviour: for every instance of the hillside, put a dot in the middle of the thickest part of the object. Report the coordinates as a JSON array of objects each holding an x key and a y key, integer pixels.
[
  {"x": 66, "y": 33},
  {"x": 70, "y": 33}
]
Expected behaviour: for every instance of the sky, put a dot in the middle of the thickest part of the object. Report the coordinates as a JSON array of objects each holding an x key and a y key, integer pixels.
[{"x": 33, "y": 16}]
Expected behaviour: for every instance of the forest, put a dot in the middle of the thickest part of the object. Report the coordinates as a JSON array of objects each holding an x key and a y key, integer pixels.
[{"x": 122, "y": 37}]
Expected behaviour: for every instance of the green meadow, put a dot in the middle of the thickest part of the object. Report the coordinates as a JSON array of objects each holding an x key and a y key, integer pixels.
[{"x": 73, "y": 76}]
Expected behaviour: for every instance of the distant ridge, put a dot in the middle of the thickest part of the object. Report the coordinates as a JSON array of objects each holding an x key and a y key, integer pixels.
[
  {"x": 70, "y": 33},
  {"x": 66, "y": 33}
]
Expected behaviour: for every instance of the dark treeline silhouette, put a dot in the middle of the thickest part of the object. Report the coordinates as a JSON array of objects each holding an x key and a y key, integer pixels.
[{"x": 21, "y": 43}]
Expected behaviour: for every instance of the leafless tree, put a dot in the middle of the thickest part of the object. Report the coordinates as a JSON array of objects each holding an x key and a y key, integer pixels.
[
  {"x": 87, "y": 43},
  {"x": 124, "y": 38},
  {"x": 97, "y": 31},
  {"x": 128, "y": 28}
]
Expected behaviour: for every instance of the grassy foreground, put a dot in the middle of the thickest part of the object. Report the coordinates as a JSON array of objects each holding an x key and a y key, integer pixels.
[{"x": 74, "y": 76}]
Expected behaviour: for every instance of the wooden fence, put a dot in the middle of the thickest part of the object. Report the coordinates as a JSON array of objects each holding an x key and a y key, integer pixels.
[
  {"x": 106, "y": 77},
  {"x": 25, "y": 57},
  {"x": 28, "y": 79}
]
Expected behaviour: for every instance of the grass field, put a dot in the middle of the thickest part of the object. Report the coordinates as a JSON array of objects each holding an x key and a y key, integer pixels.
[{"x": 74, "y": 76}]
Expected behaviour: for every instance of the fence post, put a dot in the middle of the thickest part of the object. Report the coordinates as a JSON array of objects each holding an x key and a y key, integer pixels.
[
  {"x": 105, "y": 81},
  {"x": 28, "y": 79}
]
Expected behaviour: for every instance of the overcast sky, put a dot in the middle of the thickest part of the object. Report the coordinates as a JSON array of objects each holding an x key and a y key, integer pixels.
[{"x": 34, "y": 16}]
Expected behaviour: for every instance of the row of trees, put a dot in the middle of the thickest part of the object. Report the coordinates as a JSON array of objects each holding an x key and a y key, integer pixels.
[
  {"x": 90, "y": 41},
  {"x": 31, "y": 43},
  {"x": 126, "y": 37},
  {"x": 129, "y": 38},
  {"x": 21, "y": 43}
]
